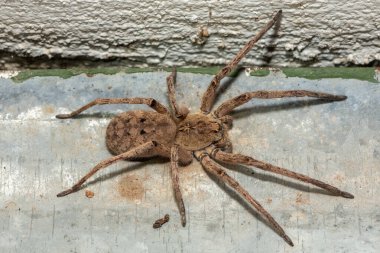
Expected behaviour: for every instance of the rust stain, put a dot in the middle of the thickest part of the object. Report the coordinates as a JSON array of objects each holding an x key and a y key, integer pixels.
[
  {"x": 269, "y": 200},
  {"x": 131, "y": 187},
  {"x": 89, "y": 194},
  {"x": 339, "y": 178},
  {"x": 47, "y": 109},
  {"x": 11, "y": 205}
]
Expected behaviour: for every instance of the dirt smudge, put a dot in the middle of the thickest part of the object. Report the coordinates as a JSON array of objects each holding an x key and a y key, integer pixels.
[
  {"x": 339, "y": 178},
  {"x": 301, "y": 200},
  {"x": 131, "y": 187},
  {"x": 89, "y": 194},
  {"x": 48, "y": 109}
]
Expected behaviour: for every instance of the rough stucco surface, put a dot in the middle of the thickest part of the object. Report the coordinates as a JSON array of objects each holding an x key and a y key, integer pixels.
[{"x": 313, "y": 33}]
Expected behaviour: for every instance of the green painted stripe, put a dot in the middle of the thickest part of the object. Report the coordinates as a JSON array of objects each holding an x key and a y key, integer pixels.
[{"x": 365, "y": 73}]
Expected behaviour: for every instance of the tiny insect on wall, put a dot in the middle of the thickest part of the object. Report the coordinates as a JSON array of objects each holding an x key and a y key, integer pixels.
[{"x": 180, "y": 135}]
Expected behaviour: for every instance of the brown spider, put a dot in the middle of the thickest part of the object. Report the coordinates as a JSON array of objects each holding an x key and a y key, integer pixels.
[{"x": 179, "y": 137}]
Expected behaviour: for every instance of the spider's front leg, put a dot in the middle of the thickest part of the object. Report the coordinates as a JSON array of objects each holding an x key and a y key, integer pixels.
[
  {"x": 209, "y": 96},
  {"x": 180, "y": 111}
]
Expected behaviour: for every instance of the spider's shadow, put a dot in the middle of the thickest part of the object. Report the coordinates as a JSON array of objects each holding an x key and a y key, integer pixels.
[
  {"x": 239, "y": 199},
  {"x": 225, "y": 85},
  {"x": 237, "y": 114},
  {"x": 283, "y": 106},
  {"x": 271, "y": 42},
  {"x": 100, "y": 115},
  {"x": 275, "y": 178}
]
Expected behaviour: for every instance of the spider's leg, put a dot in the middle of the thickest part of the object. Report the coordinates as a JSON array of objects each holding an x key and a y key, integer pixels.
[
  {"x": 220, "y": 173},
  {"x": 209, "y": 96},
  {"x": 179, "y": 111},
  {"x": 227, "y": 106},
  {"x": 242, "y": 159},
  {"x": 175, "y": 181},
  {"x": 133, "y": 153},
  {"x": 102, "y": 101}
]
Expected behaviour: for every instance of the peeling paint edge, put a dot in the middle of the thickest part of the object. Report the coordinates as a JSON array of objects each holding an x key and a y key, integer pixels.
[
  {"x": 8, "y": 73},
  {"x": 369, "y": 74}
]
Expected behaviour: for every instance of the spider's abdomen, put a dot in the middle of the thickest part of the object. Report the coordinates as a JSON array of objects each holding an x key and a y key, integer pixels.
[
  {"x": 198, "y": 131},
  {"x": 131, "y": 129}
]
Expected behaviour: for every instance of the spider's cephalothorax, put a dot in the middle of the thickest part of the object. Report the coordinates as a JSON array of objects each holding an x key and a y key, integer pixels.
[{"x": 179, "y": 135}]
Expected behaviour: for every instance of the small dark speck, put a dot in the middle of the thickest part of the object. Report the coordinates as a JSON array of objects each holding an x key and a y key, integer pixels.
[
  {"x": 376, "y": 154},
  {"x": 142, "y": 131},
  {"x": 4, "y": 167}
]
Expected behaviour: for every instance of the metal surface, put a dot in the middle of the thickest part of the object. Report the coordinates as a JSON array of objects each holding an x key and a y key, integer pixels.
[{"x": 41, "y": 156}]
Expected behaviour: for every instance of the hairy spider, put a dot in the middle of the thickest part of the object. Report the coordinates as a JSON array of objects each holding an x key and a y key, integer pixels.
[{"x": 179, "y": 137}]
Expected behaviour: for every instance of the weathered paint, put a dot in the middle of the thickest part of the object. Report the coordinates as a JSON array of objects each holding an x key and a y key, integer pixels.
[{"x": 365, "y": 74}]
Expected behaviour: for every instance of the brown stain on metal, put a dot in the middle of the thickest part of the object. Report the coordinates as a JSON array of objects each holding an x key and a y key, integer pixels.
[
  {"x": 131, "y": 187},
  {"x": 10, "y": 205},
  {"x": 339, "y": 178},
  {"x": 189, "y": 175},
  {"x": 301, "y": 200},
  {"x": 48, "y": 109},
  {"x": 89, "y": 194}
]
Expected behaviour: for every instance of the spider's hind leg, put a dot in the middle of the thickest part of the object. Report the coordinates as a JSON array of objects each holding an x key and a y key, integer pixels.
[
  {"x": 133, "y": 153},
  {"x": 215, "y": 169},
  {"x": 175, "y": 180},
  {"x": 246, "y": 160}
]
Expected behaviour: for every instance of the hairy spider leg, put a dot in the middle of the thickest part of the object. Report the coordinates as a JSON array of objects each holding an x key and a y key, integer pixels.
[
  {"x": 215, "y": 169},
  {"x": 180, "y": 112},
  {"x": 219, "y": 155},
  {"x": 209, "y": 96},
  {"x": 175, "y": 181},
  {"x": 153, "y": 103},
  {"x": 133, "y": 153},
  {"x": 227, "y": 106}
]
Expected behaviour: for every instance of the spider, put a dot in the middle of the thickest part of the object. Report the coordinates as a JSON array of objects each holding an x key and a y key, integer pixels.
[{"x": 182, "y": 135}]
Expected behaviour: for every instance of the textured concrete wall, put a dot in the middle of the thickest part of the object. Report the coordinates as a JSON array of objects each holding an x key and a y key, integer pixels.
[{"x": 312, "y": 32}]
